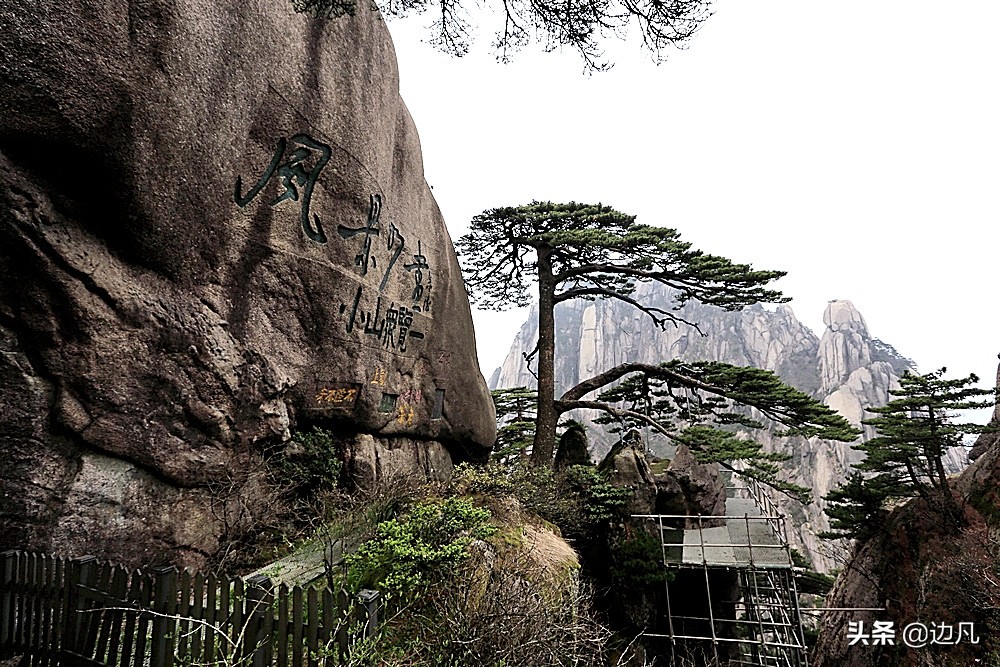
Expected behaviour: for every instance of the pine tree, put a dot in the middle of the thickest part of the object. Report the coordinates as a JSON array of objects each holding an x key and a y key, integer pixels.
[
  {"x": 515, "y": 410},
  {"x": 913, "y": 433},
  {"x": 579, "y": 251}
]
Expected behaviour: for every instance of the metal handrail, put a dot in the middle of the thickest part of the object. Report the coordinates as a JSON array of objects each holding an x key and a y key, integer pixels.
[{"x": 753, "y": 517}]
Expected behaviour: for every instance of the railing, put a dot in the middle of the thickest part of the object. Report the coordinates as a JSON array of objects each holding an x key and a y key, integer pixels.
[
  {"x": 761, "y": 626},
  {"x": 83, "y": 611}
]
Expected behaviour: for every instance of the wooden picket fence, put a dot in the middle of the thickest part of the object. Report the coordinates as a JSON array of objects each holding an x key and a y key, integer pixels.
[{"x": 55, "y": 611}]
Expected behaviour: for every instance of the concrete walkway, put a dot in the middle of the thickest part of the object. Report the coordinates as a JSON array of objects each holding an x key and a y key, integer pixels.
[{"x": 747, "y": 539}]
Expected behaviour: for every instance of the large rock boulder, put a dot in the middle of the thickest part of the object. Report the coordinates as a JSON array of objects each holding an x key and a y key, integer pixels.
[
  {"x": 214, "y": 228},
  {"x": 626, "y": 466},
  {"x": 703, "y": 491}
]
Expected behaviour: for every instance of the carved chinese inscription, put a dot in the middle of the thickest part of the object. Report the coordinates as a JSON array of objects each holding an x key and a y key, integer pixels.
[
  {"x": 334, "y": 396},
  {"x": 417, "y": 267},
  {"x": 299, "y": 170},
  {"x": 382, "y": 312},
  {"x": 405, "y": 416},
  {"x": 391, "y": 328},
  {"x": 370, "y": 229}
]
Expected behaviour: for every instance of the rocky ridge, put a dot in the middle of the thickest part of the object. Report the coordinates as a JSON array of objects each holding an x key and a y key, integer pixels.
[{"x": 920, "y": 569}]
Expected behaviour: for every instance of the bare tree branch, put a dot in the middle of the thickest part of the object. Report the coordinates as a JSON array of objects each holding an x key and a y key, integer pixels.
[
  {"x": 565, "y": 406},
  {"x": 652, "y": 311}
]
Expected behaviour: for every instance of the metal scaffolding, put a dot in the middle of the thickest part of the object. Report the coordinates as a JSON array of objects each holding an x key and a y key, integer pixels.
[{"x": 730, "y": 594}]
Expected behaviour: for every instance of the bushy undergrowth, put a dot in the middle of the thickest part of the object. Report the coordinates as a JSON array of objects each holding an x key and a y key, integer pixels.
[
  {"x": 275, "y": 498},
  {"x": 419, "y": 548},
  {"x": 471, "y": 571},
  {"x": 637, "y": 561},
  {"x": 578, "y": 500},
  {"x": 310, "y": 464},
  {"x": 474, "y": 577}
]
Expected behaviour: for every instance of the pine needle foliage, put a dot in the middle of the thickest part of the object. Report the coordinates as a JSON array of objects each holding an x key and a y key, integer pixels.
[
  {"x": 594, "y": 251},
  {"x": 699, "y": 404},
  {"x": 515, "y": 410}
]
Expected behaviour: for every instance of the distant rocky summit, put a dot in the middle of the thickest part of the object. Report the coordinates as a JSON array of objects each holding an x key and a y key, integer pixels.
[
  {"x": 847, "y": 368},
  {"x": 214, "y": 229}
]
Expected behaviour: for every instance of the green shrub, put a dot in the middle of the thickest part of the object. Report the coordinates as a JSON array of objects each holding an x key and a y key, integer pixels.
[
  {"x": 310, "y": 463},
  {"x": 578, "y": 500},
  {"x": 419, "y": 547},
  {"x": 601, "y": 500},
  {"x": 637, "y": 561}
]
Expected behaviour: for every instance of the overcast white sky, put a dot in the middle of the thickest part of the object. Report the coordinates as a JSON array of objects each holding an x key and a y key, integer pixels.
[{"x": 854, "y": 144}]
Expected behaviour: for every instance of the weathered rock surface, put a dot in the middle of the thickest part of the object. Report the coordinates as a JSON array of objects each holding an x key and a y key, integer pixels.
[
  {"x": 847, "y": 368},
  {"x": 214, "y": 227},
  {"x": 703, "y": 490},
  {"x": 684, "y": 487},
  {"x": 989, "y": 440},
  {"x": 573, "y": 449},
  {"x": 372, "y": 460},
  {"x": 626, "y": 466},
  {"x": 919, "y": 569}
]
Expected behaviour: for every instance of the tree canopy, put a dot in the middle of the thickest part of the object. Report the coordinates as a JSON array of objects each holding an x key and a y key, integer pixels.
[
  {"x": 713, "y": 407},
  {"x": 582, "y": 251},
  {"x": 515, "y": 410},
  {"x": 578, "y": 25},
  {"x": 594, "y": 251},
  {"x": 913, "y": 433}
]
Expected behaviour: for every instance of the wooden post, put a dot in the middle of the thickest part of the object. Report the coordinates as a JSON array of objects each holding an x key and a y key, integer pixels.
[
  {"x": 198, "y": 613},
  {"x": 297, "y": 634},
  {"x": 50, "y": 601},
  {"x": 100, "y": 582},
  {"x": 260, "y": 620},
  {"x": 212, "y": 616},
  {"x": 36, "y": 592},
  {"x": 236, "y": 629},
  {"x": 312, "y": 629},
  {"x": 346, "y": 612},
  {"x": 330, "y": 619},
  {"x": 60, "y": 606},
  {"x": 81, "y": 575},
  {"x": 283, "y": 625},
  {"x": 8, "y": 567},
  {"x": 369, "y": 599},
  {"x": 184, "y": 612},
  {"x": 164, "y": 619},
  {"x": 134, "y": 628},
  {"x": 23, "y": 610}
]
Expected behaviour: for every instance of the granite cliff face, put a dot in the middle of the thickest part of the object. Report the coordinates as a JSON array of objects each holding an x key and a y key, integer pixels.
[
  {"x": 847, "y": 368},
  {"x": 214, "y": 229}
]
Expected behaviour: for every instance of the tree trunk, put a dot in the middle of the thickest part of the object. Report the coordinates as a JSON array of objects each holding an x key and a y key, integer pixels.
[
  {"x": 917, "y": 484},
  {"x": 547, "y": 417},
  {"x": 939, "y": 447}
]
